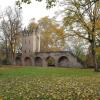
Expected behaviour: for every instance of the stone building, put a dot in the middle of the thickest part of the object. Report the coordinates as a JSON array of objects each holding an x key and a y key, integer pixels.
[{"x": 31, "y": 55}]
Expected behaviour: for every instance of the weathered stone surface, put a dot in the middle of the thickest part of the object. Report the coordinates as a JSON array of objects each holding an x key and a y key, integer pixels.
[
  {"x": 31, "y": 55},
  {"x": 59, "y": 59}
]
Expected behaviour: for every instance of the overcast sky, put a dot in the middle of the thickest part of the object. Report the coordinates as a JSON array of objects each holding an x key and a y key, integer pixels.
[{"x": 35, "y": 10}]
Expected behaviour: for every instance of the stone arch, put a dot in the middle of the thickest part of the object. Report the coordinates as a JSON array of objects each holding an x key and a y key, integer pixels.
[
  {"x": 50, "y": 61},
  {"x": 27, "y": 61},
  {"x": 63, "y": 61},
  {"x": 38, "y": 61},
  {"x": 18, "y": 60}
]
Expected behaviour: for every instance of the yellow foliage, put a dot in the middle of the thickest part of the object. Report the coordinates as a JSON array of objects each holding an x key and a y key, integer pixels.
[
  {"x": 1, "y": 98},
  {"x": 52, "y": 35},
  {"x": 97, "y": 49}
]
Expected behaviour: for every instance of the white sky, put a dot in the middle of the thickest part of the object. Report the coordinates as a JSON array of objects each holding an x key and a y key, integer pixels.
[{"x": 35, "y": 10}]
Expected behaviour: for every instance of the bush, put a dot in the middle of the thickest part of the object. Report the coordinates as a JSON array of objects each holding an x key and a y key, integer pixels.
[{"x": 6, "y": 62}]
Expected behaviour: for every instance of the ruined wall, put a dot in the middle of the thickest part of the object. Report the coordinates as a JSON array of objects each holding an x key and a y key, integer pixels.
[
  {"x": 53, "y": 59},
  {"x": 60, "y": 59}
]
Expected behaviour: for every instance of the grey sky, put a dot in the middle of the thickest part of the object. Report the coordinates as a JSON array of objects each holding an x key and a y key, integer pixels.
[{"x": 34, "y": 10}]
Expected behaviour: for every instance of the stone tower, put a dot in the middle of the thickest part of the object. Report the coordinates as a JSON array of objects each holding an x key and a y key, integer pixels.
[{"x": 30, "y": 45}]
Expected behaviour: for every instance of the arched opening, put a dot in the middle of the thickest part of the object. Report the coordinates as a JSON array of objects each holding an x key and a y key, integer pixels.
[
  {"x": 63, "y": 61},
  {"x": 28, "y": 61},
  {"x": 38, "y": 61},
  {"x": 18, "y": 60},
  {"x": 50, "y": 61}
]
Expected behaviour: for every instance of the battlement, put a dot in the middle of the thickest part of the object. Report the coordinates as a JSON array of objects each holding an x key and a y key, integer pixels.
[{"x": 26, "y": 33}]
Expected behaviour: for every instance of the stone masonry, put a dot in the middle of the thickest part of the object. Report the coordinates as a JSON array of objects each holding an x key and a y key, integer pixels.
[{"x": 31, "y": 55}]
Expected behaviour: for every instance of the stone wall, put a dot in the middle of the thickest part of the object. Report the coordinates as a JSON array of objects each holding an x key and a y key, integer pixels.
[
  {"x": 61, "y": 59},
  {"x": 53, "y": 59}
]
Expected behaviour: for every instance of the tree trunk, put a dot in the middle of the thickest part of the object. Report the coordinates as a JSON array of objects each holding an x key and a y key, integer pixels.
[
  {"x": 94, "y": 56},
  {"x": 7, "y": 60},
  {"x": 12, "y": 55},
  {"x": 93, "y": 44},
  {"x": 13, "y": 58}
]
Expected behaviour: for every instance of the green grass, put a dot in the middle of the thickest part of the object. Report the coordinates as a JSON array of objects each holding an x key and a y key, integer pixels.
[
  {"x": 41, "y": 83},
  {"x": 45, "y": 72}
]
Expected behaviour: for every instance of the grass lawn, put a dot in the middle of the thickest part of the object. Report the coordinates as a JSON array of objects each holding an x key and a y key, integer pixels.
[{"x": 36, "y": 83}]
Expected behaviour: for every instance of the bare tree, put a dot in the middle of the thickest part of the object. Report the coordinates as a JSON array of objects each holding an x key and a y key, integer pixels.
[{"x": 10, "y": 31}]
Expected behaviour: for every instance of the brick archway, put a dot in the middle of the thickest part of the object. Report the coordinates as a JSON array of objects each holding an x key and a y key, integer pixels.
[
  {"x": 63, "y": 61},
  {"x": 38, "y": 61}
]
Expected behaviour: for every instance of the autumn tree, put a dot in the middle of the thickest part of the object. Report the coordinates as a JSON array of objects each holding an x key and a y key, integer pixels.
[
  {"x": 52, "y": 35},
  {"x": 81, "y": 22},
  {"x": 33, "y": 25},
  {"x": 50, "y": 3},
  {"x": 77, "y": 46},
  {"x": 10, "y": 28}
]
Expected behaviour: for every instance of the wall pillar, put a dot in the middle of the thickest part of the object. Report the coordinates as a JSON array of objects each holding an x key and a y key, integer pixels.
[
  {"x": 33, "y": 61},
  {"x": 44, "y": 63},
  {"x": 56, "y": 63}
]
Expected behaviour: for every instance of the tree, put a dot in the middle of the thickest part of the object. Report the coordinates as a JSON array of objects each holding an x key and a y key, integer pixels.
[
  {"x": 82, "y": 22},
  {"x": 50, "y": 3},
  {"x": 77, "y": 46},
  {"x": 51, "y": 34},
  {"x": 10, "y": 31}
]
